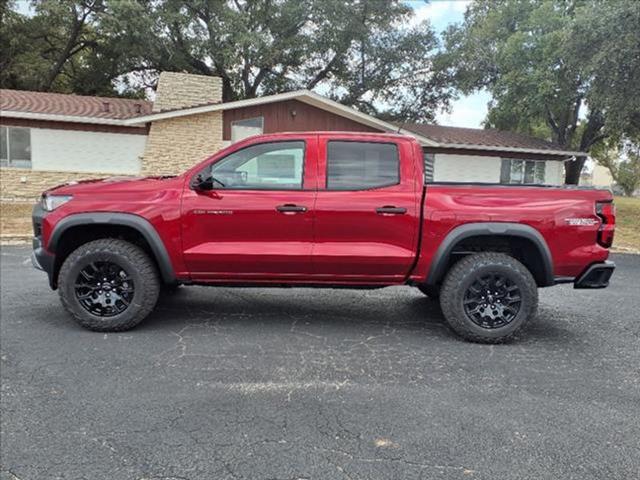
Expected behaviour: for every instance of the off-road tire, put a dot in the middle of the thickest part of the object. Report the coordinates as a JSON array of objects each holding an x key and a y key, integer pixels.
[
  {"x": 132, "y": 259},
  {"x": 464, "y": 273},
  {"x": 430, "y": 291}
]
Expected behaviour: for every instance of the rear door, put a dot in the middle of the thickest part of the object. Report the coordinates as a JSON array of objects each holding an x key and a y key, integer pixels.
[
  {"x": 367, "y": 209},
  {"x": 257, "y": 221}
]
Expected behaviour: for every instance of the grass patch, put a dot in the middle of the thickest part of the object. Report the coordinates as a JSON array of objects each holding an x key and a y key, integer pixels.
[
  {"x": 627, "y": 223},
  {"x": 15, "y": 219}
]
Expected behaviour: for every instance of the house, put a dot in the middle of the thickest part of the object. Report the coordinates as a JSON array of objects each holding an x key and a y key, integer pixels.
[{"x": 49, "y": 139}]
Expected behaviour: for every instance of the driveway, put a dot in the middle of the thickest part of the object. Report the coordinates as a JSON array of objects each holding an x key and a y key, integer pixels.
[{"x": 318, "y": 384}]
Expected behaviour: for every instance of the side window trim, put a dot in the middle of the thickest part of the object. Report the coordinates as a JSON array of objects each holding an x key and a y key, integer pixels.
[
  {"x": 303, "y": 141},
  {"x": 363, "y": 189}
]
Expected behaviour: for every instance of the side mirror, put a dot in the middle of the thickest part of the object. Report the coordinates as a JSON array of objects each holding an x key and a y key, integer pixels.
[{"x": 202, "y": 184}]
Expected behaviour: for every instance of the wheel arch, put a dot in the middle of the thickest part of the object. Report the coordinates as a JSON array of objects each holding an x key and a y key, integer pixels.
[
  {"x": 103, "y": 222},
  {"x": 503, "y": 230}
]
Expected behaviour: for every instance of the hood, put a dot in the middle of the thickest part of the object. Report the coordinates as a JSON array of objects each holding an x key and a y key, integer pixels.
[{"x": 111, "y": 185}]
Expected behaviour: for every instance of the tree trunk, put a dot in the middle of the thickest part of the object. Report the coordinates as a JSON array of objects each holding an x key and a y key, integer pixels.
[
  {"x": 591, "y": 135},
  {"x": 572, "y": 170},
  {"x": 62, "y": 57}
]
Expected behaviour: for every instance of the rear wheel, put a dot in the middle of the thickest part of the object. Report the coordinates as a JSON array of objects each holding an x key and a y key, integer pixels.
[
  {"x": 488, "y": 297},
  {"x": 108, "y": 285}
]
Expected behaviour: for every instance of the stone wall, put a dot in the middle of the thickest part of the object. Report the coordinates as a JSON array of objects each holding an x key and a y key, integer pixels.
[
  {"x": 175, "y": 144},
  {"x": 17, "y": 184},
  {"x": 20, "y": 189},
  {"x": 179, "y": 90}
]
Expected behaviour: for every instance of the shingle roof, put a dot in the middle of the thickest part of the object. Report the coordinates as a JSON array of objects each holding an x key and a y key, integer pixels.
[
  {"x": 480, "y": 137},
  {"x": 72, "y": 105},
  {"x": 106, "y": 109}
]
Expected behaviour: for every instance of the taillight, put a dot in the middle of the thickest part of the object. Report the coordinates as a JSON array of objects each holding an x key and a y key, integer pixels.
[{"x": 607, "y": 213}]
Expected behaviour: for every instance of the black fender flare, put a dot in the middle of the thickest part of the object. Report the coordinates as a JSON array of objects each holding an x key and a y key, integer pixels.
[
  {"x": 441, "y": 258},
  {"x": 141, "y": 225}
]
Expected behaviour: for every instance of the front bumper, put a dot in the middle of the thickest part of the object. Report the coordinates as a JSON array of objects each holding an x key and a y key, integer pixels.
[
  {"x": 40, "y": 258},
  {"x": 43, "y": 260},
  {"x": 595, "y": 276}
]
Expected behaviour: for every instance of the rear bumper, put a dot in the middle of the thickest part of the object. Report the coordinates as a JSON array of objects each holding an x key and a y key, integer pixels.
[{"x": 595, "y": 276}]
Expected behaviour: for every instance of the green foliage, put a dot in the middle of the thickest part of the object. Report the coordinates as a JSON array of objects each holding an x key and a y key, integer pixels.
[
  {"x": 550, "y": 67},
  {"x": 622, "y": 159},
  {"x": 55, "y": 48},
  {"x": 362, "y": 53},
  {"x": 629, "y": 175}
]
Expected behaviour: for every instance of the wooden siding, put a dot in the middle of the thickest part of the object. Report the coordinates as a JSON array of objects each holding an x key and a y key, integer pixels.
[{"x": 278, "y": 117}]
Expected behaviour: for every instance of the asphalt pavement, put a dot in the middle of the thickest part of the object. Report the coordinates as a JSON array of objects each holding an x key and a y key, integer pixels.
[{"x": 223, "y": 383}]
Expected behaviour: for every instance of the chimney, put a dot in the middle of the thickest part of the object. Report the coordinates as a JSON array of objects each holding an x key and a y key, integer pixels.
[
  {"x": 181, "y": 90},
  {"x": 106, "y": 107}
]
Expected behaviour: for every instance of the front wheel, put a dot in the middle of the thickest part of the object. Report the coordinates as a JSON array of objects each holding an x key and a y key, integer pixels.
[
  {"x": 430, "y": 291},
  {"x": 488, "y": 297},
  {"x": 108, "y": 285}
]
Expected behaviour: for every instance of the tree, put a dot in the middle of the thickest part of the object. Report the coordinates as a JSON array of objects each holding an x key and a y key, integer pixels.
[
  {"x": 549, "y": 66},
  {"x": 361, "y": 53},
  {"x": 364, "y": 53},
  {"x": 51, "y": 49},
  {"x": 623, "y": 162}
]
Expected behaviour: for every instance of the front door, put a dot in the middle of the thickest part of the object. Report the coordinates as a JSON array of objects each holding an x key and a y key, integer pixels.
[
  {"x": 367, "y": 209},
  {"x": 256, "y": 223}
]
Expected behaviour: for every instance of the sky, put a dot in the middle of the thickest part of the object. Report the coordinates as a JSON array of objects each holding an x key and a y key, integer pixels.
[{"x": 470, "y": 110}]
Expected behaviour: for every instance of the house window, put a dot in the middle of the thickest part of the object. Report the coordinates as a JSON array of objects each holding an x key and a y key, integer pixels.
[
  {"x": 15, "y": 147},
  {"x": 429, "y": 162},
  {"x": 248, "y": 127},
  {"x": 362, "y": 165},
  {"x": 523, "y": 172}
]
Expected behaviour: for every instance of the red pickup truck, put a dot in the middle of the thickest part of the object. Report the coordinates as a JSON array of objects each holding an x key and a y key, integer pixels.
[{"x": 321, "y": 209}]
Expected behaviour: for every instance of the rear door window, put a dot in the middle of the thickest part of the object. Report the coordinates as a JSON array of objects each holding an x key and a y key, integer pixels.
[{"x": 362, "y": 165}]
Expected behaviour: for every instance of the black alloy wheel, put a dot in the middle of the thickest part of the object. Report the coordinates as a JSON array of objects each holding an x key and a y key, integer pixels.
[
  {"x": 109, "y": 285},
  {"x": 104, "y": 288},
  {"x": 492, "y": 301},
  {"x": 488, "y": 297}
]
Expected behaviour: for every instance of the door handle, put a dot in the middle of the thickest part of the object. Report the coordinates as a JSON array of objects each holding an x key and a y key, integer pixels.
[
  {"x": 291, "y": 208},
  {"x": 390, "y": 209}
]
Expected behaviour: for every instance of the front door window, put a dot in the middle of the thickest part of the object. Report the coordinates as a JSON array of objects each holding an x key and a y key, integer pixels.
[{"x": 266, "y": 166}]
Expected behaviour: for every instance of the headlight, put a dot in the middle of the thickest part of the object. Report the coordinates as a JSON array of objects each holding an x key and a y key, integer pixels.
[{"x": 51, "y": 202}]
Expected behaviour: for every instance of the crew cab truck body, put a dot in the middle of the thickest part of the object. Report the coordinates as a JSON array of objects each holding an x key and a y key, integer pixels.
[{"x": 321, "y": 209}]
